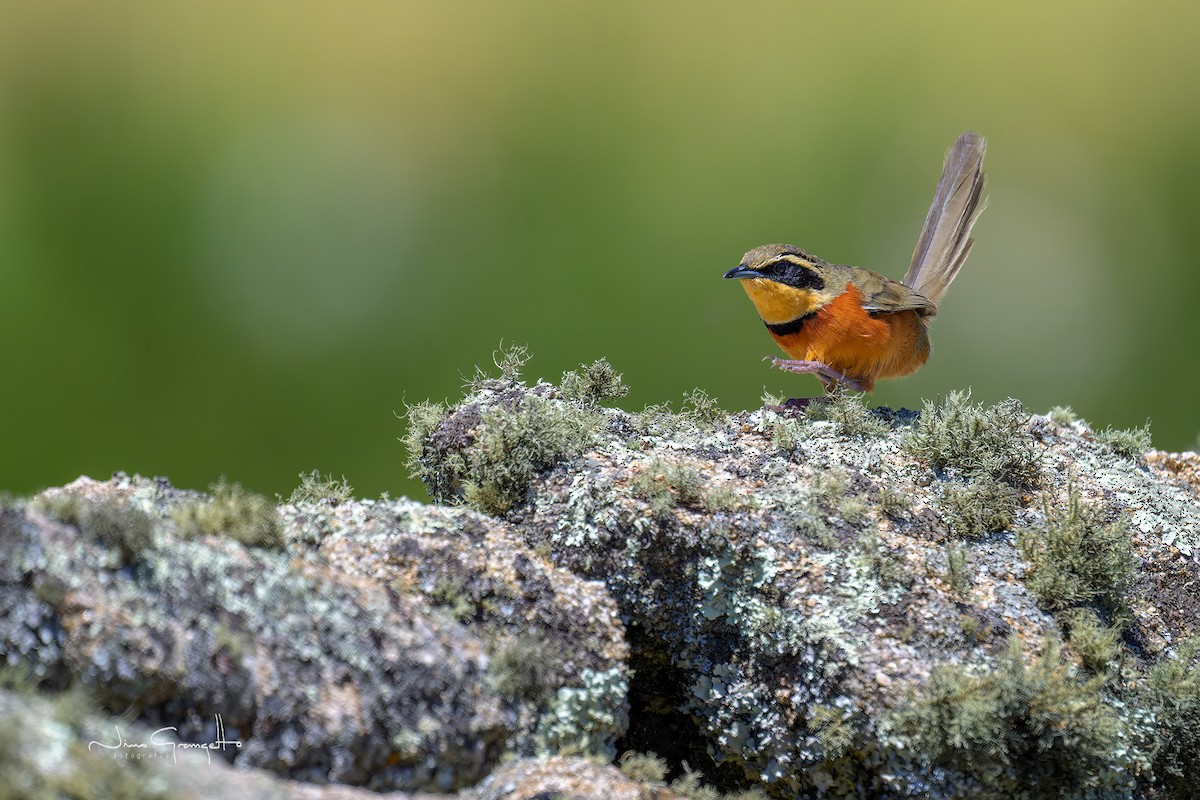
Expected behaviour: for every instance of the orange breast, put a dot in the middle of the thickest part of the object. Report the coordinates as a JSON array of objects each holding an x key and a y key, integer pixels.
[{"x": 843, "y": 335}]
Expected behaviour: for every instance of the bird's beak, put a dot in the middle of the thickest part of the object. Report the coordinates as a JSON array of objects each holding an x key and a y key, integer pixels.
[{"x": 742, "y": 272}]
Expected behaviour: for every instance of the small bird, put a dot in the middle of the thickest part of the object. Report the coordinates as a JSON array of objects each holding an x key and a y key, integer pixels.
[{"x": 852, "y": 326}]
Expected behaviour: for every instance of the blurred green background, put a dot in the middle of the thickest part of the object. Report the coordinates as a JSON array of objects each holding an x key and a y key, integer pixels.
[{"x": 235, "y": 239}]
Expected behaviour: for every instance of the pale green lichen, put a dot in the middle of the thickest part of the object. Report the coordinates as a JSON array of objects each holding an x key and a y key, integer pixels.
[{"x": 588, "y": 718}]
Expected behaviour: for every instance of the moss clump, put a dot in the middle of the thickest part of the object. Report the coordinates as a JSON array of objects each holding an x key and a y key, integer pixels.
[
  {"x": 956, "y": 434},
  {"x": 1076, "y": 559},
  {"x": 1028, "y": 731},
  {"x": 691, "y": 786},
  {"x": 65, "y": 507},
  {"x": 316, "y": 488},
  {"x": 978, "y": 507},
  {"x": 234, "y": 512},
  {"x": 121, "y": 527},
  {"x": 643, "y": 767},
  {"x": 521, "y": 667},
  {"x": 894, "y": 503},
  {"x": 666, "y": 486},
  {"x": 114, "y": 521},
  {"x": 1131, "y": 443},
  {"x": 1062, "y": 415},
  {"x": 887, "y": 567},
  {"x": 849, "y": 413},
  {"x": 1096, "y": 645},
  {"x": 487, "y": 455},
  {"x": 956, "y": 570},
  {"x": 510, "y": 360},
  {"x": 1173, "y": 693},
  {"x": 593, "y": 384},
  {"x": 702, "y": 409},
  {"x": 452, "y": 596},
  {"x": 422, "y": 421}
]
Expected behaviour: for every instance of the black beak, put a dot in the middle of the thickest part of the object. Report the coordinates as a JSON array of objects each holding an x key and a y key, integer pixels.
[{"x": 742, "y": 272}]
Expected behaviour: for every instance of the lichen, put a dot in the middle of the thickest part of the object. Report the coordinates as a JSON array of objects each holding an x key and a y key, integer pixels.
[{"x": 588, "y": 718}]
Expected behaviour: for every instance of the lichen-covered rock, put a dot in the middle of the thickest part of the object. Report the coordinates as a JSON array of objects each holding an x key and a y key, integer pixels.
[
  {"x": 57, "y": 746},
  {"x": 383, "y": 644},
  {"x": 975, "y": 602}
]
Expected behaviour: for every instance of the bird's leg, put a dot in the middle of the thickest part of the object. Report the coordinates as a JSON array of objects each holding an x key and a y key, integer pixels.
[{"x": 828, "y": 375}]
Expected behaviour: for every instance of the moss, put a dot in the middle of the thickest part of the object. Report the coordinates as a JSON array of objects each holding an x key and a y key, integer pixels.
[
  {"x": 510, "y": 360},
  {"x": 488, "y": 455},
  {"x": 422, "y": 421},
  {"x": 116, "y": 523},
  {"x": 643, "y": 767},
  {"x": 854, "y": 510},
  {"x": 665, "y": 486},
  {"x": 66, "y": 507},
  {"x": 522, "y": 666},
  {"x": 1019, "y": 731},
  {"x": 1096, "y": 645},
  {"x": 722, "y": 497},
  {"x": 691, "y": 785},
  {"x": 978, "y": 507},
  {"x": 121, "y": 527},
  {"x": 849, "y": 413},
  {"x": 702, "y": 409},
  {"x": 895, "y": 503},
  {"x": 315, "y": 488},
  {"x": 884, "y": 565},
  {"x": 956, "y": 570},
  {"x": 452, "y": 596},
  {"x": 975, "y": 441},
  {"x": 234, "y": 512},
  {"x": 828, "y": 489},
  {"x": 833, "y": 732},
  {"x": 1062, "y": 415},
  {"x": 1172, "y": 691},
  {"x": 1131, "y": 443},
  {"x": 786, "y": 433},
  {"x": 593, "y": 384},
  {"x": 1075, "y": 558}
]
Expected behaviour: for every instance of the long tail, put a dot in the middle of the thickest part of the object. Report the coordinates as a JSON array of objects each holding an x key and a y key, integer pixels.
[{"x": 946, "y": 238}]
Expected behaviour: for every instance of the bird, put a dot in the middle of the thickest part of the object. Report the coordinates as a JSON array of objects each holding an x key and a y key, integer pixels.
[{"x": 851, "y": 326}]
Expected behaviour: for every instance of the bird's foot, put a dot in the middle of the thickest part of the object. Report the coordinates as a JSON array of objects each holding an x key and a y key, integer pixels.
[{"x": 829, "y": 376}]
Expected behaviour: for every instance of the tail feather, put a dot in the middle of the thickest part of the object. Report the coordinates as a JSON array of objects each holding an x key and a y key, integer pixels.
[{"x": 946, "y": 237}]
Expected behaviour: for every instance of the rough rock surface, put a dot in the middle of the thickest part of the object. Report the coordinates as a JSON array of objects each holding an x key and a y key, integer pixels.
[
  {"x": 969, "y": 602},
  {"x": 847, "y": 603},
  {"x": 386, "y": 644}
]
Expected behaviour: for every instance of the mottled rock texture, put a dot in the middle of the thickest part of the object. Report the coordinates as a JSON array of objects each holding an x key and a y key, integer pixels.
[
  {"x": 390, "y": 645},
  {"x": 967, "y": 602}
]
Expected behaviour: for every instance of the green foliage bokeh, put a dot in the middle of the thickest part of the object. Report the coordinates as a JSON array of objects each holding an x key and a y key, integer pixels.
[{"x": 235, "y": 239}]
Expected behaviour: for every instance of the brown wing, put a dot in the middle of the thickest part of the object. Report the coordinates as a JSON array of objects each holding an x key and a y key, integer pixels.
[{"x": 885, "y": 296}]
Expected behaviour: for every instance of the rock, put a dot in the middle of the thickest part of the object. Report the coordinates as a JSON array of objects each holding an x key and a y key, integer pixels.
[
  {"x": 845, "y": 602},
  {"x": 836, "y": 602},
  {"x": 386, "y": 644}
]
